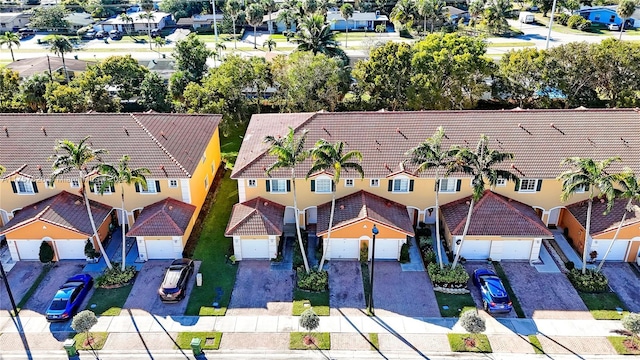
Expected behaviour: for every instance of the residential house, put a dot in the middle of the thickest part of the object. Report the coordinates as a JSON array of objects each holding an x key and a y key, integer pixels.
[
  {"x": 276, "y": 26},
  {"x": 607, "y": 15},
  {"x": 45, "y": 64},
  {"x": 200, "y": 22},
  {"x": 509, "y": 222},
  {"x": 78, "y": 20},
  {"x": 358, "y": 21},
  {"x": 13, "y": 21},
  {"x": 138, "y": 25},
  {"x": 181, "y": 151},
  {"x": 456, "y": 14}
]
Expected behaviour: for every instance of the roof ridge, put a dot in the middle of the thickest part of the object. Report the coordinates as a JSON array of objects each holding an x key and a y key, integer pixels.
[
  {"x": 501, "y": 198},
  {"x": 244, "y": 218},
  {"x": 171, "y": 157}
]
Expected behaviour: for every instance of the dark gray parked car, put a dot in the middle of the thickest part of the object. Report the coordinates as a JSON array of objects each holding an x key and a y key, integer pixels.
[{"x": 174, "y": 285}]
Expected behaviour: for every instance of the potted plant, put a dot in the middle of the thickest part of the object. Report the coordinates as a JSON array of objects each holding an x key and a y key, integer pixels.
[
  {"x": 90, "y": 252},
  {"x": 233, "y": 259},
  {"x": 593, "y": 255}
]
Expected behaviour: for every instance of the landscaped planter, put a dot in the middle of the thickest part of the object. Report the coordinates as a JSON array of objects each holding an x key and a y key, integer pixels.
[{"x": 455, "y": 291}]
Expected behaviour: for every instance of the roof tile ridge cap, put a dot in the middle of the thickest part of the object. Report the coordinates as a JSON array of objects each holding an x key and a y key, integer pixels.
[
  {"x": 16, "y": 171},
  {"x": 172, "y": 221},
  {"x": 243, "y": 220},
  {"x": 502, "y": 199},
  {"x": 144, "y": 128},
  {"x": 268, "y": 221}
]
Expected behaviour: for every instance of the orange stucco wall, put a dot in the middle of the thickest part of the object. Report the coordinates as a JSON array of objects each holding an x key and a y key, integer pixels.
[{"x": 358, "y": 229}]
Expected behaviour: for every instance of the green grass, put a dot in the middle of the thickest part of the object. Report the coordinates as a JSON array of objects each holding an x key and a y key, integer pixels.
[
  {"x": 618, "y": 344},
  {"x": 373, "y": 338},
  {"x": 184, "y": 339},
  {"x": 34, "y": 286},
  {"x": 109, "y": 302},
  {"x": 512, "y": 295},
  {"x": 99, "y": 338},
  {"x": 557, "y": 27},
  {"x": 457, "y": 304},
  {"x": 603, "y": 305},
  {"x": 456, "y": 341},
  {"x": 319, "y": 302},
  {"x": 364, "y": 269},
  {"x": 537, "y": 347},
  {"x": 296, "y": 341}
]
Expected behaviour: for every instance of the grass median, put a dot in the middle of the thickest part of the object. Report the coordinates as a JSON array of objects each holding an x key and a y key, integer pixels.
[{"x": 109, "y": 302}]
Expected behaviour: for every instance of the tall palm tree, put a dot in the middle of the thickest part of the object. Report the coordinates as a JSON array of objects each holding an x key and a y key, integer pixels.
[
  {"x": 424, "y": 8},
  {"x": 148, "y": 16},
  {"x": 61, "y": 45},
  {"x": 476, "y": 7},
  {"x": 630, "y": 189},
  {"x": 269, "y": 7},
  {"x": 480, "y": 164},
  {"x": 289, "y": 152},
  {"x": 233, "y": 8},
  {"x": 432, "y": 10},
  {"x": 124, "y": 17},
  {"x": 626, "y": 8},
  {"x": 255, "y": 15},
  {"x": 71, "y": 157},
  {"x": 430, "y": 155},
  {"x": 403, "y": 12},
  {"x": 316, "y": 36},
  {"x": 331, "y": 157},
  {"x": 587, "y": 175},
  {"x": 346, "y": 10},
  {"x": 10, "y": 39},
  {"x": 122, "y": 174}
]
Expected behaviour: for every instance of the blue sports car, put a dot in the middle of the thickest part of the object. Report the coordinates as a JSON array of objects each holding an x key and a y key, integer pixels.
[
  {"x": 494, "y": 296},
  {"x": 69, "y": 297}
]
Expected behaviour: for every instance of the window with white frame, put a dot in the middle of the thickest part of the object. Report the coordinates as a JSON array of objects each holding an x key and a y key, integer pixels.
[
  {"x": 151, "y": 187},
  {"x": 501, "y": 182},
  {"x": 75, "y": 183},
  {"x": 206, "y": 182},
  {"x": 323, "y": 185},
  {"x": 252, "y": 183},
  {"x": 374, "y": 183},
  {"x": 213, "y": 167},
  {"x": 448, "y": 185},
  {"x": 348, "y": 182},
  {"x": 173, "y": 183},
  {"x": 97, "y": 184},
  {"x": 401, "y": 185},
  {"x": 528, "y": 185},
  {"x": 278, "y": 186},
  {"x": 48, "y": 184},
  {"x": 580, "y": 189},
  {"x": 24, "y": 186}
]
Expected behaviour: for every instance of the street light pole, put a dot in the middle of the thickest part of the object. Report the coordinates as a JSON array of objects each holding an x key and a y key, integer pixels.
[
  {"x": 553, "y": 11},
  {"x": 215, "y": 22},
  {"x": 374, "y": 231},
  {"x": 6, "y": 284}
]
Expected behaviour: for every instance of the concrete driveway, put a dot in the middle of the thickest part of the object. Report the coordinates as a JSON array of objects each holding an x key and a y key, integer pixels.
[
  {"x": 545, "y": 295},
  {"x": 625, "y": 282},
  {"x": 20, "y": 280},
  {"x": 346, "y": 292},
  {"x": 408, "y": 293},
  {"x": 144, "y": 294},
  {"x": 261, "y": 291},
  {"x": 475, "y": 293},
  {"x": 39, "y": 301}
]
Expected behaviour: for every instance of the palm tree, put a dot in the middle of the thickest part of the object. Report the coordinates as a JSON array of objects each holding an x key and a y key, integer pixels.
[
  {"x": 124, "y": 17},
  {"x": 433, "y": 10},
  {"x": 233, "y": 8},
  {"x": 159, "y": 42},
  {"x": 496, "y": 14},
  {"x": 122, "y": 174},
  {"x": 331, "y": 157},
  {"x": 430, "y": 155},
  {"x": 475, "y": 10},
  {"x": 61, "y": 45},
  {"x": 288, "y": 17},
  {"x": 289, "y": 152},
  {"x": 269, "y": 6},
  {"x": 70, "y": 157},
  {"x": 346, "y": 10},
  {"x": 316, "y": 36},
  {"x": 10, "y": 39},
  {"x": 148, "y": 16},
  {"x": 402, "y": 13},
  {"x": 270, "y": 43},
  {"x": 255, "y": 15},
  {"x": 586, "y": 175},
  {"x": 2, "y": 169},
  {"x": 626, "y": 8},
  {"x": 630, "y": 185},
  {"x": 424, "y": 9},
  {"x": 480, "y": 164}
]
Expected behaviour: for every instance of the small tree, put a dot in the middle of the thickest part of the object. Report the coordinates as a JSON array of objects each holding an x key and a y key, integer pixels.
[
  {"x": 82, "y": 323},
  {"x": 309, "y": 320},
  {"x": 630, "y": 322},
  {"x": 46, "y": 252},
  {"x": 472, "y": 323},
  {"x": 89, "y": 251}
]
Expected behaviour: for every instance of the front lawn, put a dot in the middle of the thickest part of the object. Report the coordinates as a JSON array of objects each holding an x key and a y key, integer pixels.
[
  {"x": 603, "y": 305},
  {"x": 456, "y": 304},
  {"x": 109, "y": 302},
  {"x": 535, "y": 342},
  {"x": 208, "y": 340},
  {"x": 98, "y": 340},
  {"x": 619, "y": 342},
  {"x": 458, "y": 343},
  {"x": 319, "y": 302},
  {"x": 322, "y": 341}
]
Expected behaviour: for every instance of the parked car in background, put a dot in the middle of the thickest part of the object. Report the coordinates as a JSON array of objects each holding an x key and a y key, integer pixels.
[
  {"x": 25, "y": 32},
  {"x": 101, "y": 34},
  {"x": 115, "y": 34},
  {"x": 174, "y": 285},
  {"x": 613, "y": 27},
  {"x": 89, "y": 35},
  {"x": 494, "y": 296},
  {"x": 155, "y": 33},
  {"x": 68, "y": 298}
]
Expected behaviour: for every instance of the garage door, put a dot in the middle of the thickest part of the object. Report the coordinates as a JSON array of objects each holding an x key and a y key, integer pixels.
[
  {"x": 618, "y": 251},
  {"x": 388, "y": 249},
  {"x": 255, "y": 249},
  {"x": 345, "y": 248},
  {"x": 70, "y": 249},
  {"x": 515, "y": 250},
  {"x": 476, "y": 249},
  {"x": 29, "y": 249},
  {"x": 160, "y": 249}
]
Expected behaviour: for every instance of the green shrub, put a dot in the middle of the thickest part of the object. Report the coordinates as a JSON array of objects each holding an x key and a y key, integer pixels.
[
  {"x": 404, "y": 254},
  {"x": 89, "y": 250},
  {"x": 449, "y": 278},
  {"x": 313, "y": 281},
  {"x": 631, "y": 323},
  {"x": 364, "y": 253},
  {"x": 425, "y": 243},
  {"x": 574, "y": 21},
  {"x": 570, "y": 265},
  {"x": 46, "y": 252},
  {"x": 297, "y": 254},
  {"x": 472, "y": 323},
  {"x": 115, "y": 276},
  {"x": 309, "y": 320},
  {"x": 585, "y": 25},
  {"x": 562, "y": 19},
  {"x": 429, "y": 256},
  {"x": 590, "y": 282}
]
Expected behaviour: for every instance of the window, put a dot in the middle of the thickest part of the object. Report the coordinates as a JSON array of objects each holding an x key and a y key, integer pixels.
[
  {"x": 612, "y": 18},
  {"x": 173, "y": 183},
  {"x": 48, "y": 184},
  {"x": 321, "y": 185},
  {"x": 374, "y": 182},
  {"x": 401, "y": 185},
  {"x": 75, "y": 183},
  {"x": 252, "y": 182},
  {"x": 206, "y": 182},
  {"x": 580, "y": 189},
  {"x": 153, "y": 186},
  {"x": 501, "y": 182},
  {"x": 97, "y": 184},
  {"x": 348, "y": 182},
  {"x": 448, "y": 185},
  {"x": 529, "y": 185},
  {"x": 277, "y": 186},
  {"x": 24, "y": 186},
  {"x": 596, "y": 18},
  {"x": 213, "y": 167}
]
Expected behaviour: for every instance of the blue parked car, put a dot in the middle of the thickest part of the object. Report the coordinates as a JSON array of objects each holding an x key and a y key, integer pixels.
[
  {"x": 69, "y": 297},
  {"x": 494, "y": 296}
]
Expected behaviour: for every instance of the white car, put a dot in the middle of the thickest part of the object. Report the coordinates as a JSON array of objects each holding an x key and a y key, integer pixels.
[{"x": 613, "y": 27}]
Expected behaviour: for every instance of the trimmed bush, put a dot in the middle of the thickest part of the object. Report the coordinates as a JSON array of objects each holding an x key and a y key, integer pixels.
[
  {"x": 472, "y": 323},
  {"x": 631, "y": 322},
  {"x": 585, "y": 25},
  {"x": 570, "y": 265},
  {"x": 404, "y": 254},
  {"x": 429, "y": 257},
  {"x": 89, "y": 251},
  {"x": 574, "y": 21},
  {"x": 46, "y": 252},
  {"x": 562, "y": 19},
  {"x": 313, "y": 281},
  {"x": 116, "y": 276},
  {"x": 590, "y": 282},
  {"x": 364, "y": 253},
  {"x": 309, "y": 320},
  {"x": 448, "y": 278}
]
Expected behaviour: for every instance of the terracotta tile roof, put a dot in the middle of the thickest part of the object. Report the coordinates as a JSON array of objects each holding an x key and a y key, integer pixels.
[
  {"x": 63, "y": 209},
  {"x": 257, "y": 216},
  {"x": 384, "y": 137},
  {"x": 494, "y": 215},
  {"x": 168, "y": 217},
  {"x": 364, "y": 205},
  {"x": 169, "y": 145},
  {"x": 601, "y": 223},
  {"x": 38, "y": 65}
]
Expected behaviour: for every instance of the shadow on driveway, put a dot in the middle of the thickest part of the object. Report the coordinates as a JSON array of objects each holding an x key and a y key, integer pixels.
[{"x": 346, "y": 292}]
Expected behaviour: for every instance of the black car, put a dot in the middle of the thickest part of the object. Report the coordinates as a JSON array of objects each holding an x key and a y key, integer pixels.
[
  {"x": 101, "y": 34},
  {"x": 174, "y": 285},
  {"x": 115, "y": 34}
]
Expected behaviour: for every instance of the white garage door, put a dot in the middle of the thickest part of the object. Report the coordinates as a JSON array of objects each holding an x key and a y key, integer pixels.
[
  {"x": 70, "y": 249},
  {"x": 388, "y": 249},
  {"x": 345, "y": 248},
  {"x": 255, "y": 249},
  {"x": 29, "y": 249},
  {"x": 476, "y": 249},
  {"x": 516, "y": 250},
  {"x": 618, "y": 251},
  {"x": 160, "y": 249}
]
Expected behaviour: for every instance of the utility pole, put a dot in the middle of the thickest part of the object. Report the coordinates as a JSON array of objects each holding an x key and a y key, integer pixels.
[
  {"x": 553, "y": 11},
  {"x": 215, "y": 21}
]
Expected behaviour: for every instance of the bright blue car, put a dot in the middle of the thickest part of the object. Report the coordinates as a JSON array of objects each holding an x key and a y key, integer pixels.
[
  {"x": 69, "y": 297},
  {"x": 494, "y": 296}
]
